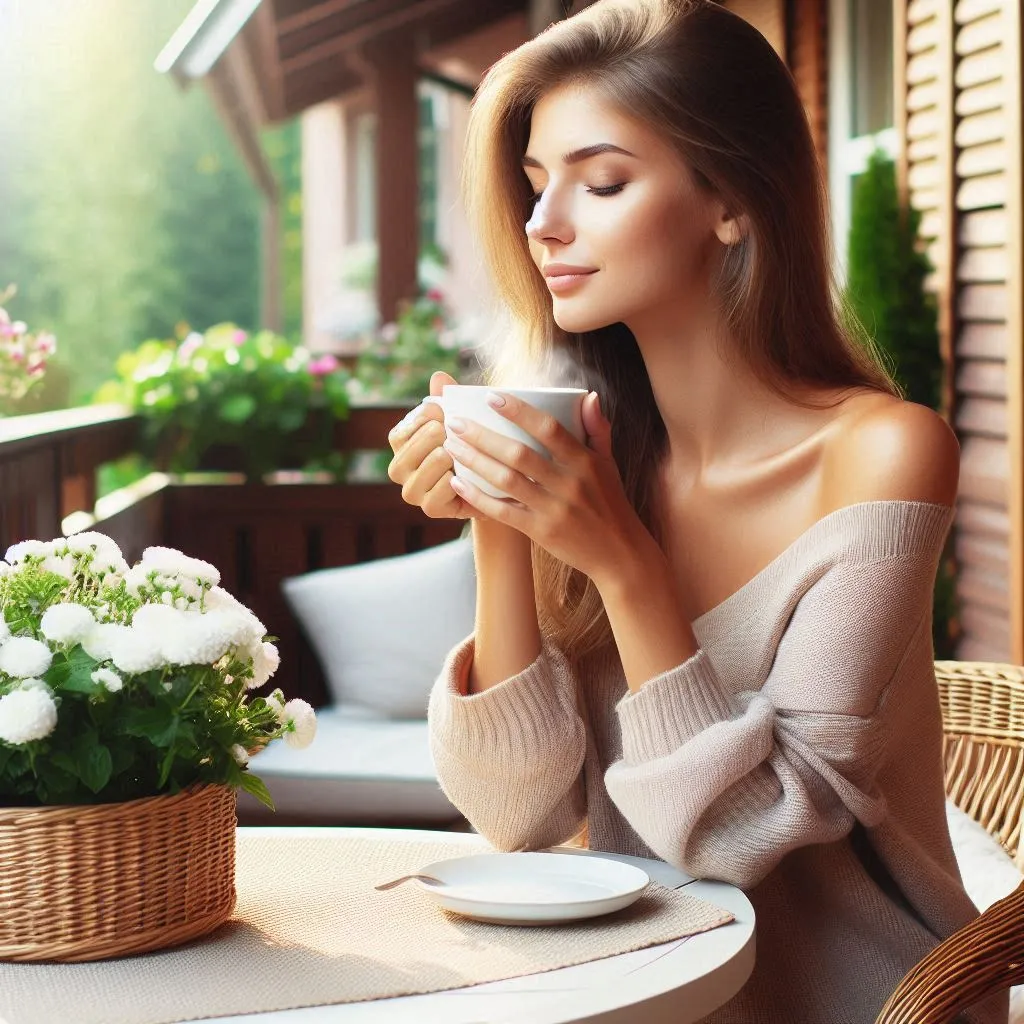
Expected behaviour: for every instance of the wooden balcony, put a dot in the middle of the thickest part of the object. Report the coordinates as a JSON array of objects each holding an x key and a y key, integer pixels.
[{"x": 256, "y": 534}]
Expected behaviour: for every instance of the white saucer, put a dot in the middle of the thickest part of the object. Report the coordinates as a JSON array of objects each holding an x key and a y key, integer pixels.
[{"x": 533, "y": 888}]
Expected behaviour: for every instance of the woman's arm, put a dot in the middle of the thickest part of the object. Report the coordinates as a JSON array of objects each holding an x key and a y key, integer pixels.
[
  {"x": 724, "y": 776},
  {"x": 507, "y": 740}
]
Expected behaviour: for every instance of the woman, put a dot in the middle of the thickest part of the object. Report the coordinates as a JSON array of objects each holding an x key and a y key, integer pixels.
[{"x": 705, "y": 634}]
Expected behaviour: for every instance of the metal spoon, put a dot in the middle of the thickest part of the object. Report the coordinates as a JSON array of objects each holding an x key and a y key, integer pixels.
[{"x": 428, "y": 879}]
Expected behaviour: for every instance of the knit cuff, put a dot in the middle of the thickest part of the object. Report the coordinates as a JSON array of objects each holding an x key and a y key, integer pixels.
[
  {"x": 670, "y": 709},
  {"x": 523, "y": 717}
]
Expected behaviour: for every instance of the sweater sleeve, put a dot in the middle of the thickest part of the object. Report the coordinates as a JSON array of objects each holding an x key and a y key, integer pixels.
[
  {"x": 722, "y": 778},
  {"x": 511, "y": 757}
]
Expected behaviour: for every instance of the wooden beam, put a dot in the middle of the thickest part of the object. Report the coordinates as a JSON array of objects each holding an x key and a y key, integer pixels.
[
  {"x": 262, "y": 36},
  {"x": 337, "y": 23},
  {"x": 379, "y": 27},
  {"x": 1012, "y": 70},
  {"x": 394, "y": 64},
  {"x": 318, "y": 12},
  {"x": 307, "y": 90}
]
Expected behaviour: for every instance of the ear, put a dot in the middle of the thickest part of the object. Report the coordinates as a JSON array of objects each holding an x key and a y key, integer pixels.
[{"x": 731, "y": 228}]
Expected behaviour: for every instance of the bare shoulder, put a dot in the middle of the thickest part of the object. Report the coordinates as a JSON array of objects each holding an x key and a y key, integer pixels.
[{"x": 884, "y": 448}]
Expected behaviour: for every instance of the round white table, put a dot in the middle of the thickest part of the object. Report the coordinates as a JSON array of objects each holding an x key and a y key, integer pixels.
[{"x": 674, "y": 983}]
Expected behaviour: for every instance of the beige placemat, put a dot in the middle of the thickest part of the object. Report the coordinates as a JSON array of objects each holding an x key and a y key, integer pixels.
[{"x": 309, "y": 929}]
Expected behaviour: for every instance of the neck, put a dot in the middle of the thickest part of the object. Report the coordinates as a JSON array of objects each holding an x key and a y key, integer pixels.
[{"x": 717, "y": 412}]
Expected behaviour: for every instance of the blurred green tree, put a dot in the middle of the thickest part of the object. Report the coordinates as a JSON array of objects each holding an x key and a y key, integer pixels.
[{"x": 126, "y": 210}]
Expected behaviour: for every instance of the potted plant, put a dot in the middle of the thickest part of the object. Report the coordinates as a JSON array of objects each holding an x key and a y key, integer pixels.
[
  {"x": 227, "y": 399},
  {"x": 399, "y": 360},
  {"x": 127, "y": 718},
  {"x": 23, "y": 358}
]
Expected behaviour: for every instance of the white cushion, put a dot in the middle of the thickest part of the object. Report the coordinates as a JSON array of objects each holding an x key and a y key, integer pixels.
[
  {"x": 360, "y": 769},
  {"x": 989, "y": 874},
  {"x": 382, "y": 629}
]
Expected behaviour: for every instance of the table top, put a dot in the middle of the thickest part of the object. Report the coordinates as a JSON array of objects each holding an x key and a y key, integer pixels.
[{"x": 678, "y": 982}]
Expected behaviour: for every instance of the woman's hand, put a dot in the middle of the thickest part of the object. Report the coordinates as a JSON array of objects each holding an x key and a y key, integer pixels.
[
  {"x": 421, "y": 465},
  {"x": 573, "y": 505}
]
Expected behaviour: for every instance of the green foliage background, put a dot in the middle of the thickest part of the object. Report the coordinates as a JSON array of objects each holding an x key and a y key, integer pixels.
[{"x": 124, "y": 208}]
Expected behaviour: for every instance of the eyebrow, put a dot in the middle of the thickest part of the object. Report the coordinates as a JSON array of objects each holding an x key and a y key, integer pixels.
[{"x": 581, "y": 154}]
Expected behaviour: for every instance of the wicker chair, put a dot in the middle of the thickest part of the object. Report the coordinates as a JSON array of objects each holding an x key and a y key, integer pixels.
[{"x": 983, "y": 713}]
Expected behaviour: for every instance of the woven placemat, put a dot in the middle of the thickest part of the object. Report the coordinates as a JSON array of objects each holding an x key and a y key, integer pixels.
[{"x": 310, "y": 930}]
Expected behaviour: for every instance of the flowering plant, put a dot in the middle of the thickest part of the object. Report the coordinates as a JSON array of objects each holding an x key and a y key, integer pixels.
[
  {"x": 253, "y": 393},
  {"x": 120, "y": 682},
  {"x": 23, "y": 357},
  {"x": 399, "y": 361}
]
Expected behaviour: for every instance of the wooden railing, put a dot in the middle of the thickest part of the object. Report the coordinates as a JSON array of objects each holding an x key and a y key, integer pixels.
[{"x": 256, "y": 534}]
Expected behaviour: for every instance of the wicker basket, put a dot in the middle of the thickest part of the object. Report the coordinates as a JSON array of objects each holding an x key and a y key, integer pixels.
[{"x": 105, "y": 880}]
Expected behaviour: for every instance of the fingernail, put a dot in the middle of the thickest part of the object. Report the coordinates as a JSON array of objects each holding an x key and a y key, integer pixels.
[
  {"x": 454, "y": 423},
  {"x": 496, "y": 400}
]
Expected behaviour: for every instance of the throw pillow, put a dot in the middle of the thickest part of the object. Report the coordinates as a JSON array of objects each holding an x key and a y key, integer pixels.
[{"x": 382, "y": 629}]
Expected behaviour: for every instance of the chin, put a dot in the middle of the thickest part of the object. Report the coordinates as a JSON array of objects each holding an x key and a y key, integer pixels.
[{"x": 580, "y": 320}]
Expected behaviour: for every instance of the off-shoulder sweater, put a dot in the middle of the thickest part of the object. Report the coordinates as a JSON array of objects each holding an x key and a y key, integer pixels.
[{"x": 797, "y": 754}]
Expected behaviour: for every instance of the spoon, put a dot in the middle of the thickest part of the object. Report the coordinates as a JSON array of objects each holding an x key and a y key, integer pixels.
[{"x": 428, "y": 879}]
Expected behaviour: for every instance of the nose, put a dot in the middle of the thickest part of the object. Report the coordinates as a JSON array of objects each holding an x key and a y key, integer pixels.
[{"x": 547, "y": 223}]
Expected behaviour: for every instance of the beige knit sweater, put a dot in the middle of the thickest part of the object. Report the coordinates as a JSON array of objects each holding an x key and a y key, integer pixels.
[{"x": 797, "y": 755}]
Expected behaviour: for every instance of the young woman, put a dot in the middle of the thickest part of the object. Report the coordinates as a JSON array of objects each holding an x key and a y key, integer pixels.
[{"x": 705, "y": 634}]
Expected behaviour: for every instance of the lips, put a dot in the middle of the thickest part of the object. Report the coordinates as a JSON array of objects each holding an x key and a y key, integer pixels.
[{"x": 567, "y": 270}]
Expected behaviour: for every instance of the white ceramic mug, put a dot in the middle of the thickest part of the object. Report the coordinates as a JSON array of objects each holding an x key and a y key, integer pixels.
[{"x": 469, "y": 402}]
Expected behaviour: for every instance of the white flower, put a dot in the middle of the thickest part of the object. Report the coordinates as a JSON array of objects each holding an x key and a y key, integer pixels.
[
  {"x": 240, "y": 754},
  {"x": 300, "y": 721},
  {"x": 136, "y": 578},
  {"x": 17, "y": 553},
  {"x": 108, "y": 678},
  {"x": 22, "y": 656},
  {"x": 155, "y": 619},
  {"x": 62, "y": 565},
  {"x": 34, "y": 684},
  {"x": 275, "y": 701},
  {"x": 133, "y": 651},
  {"x": 200, "y": 638},
  {"x": 99, "y": 643},
  {"x": 27, "y": 715},
  {"x": 5, "y": 630},
  {"x": 171, "y": 562},
  {"x": 67, "y": 623},
  {"x": 265, "y": 663},
  {"x": 107, "y": 555},
  {"x": 5, "y": 569},
  {"x": 218, "y": 599}
]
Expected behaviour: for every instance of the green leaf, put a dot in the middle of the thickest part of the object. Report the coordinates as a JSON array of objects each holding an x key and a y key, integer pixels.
[
  {"x": 158, "y": 724},
  {"x": 92, "y": 760},
  {"x": 237, "y": 408},
  {"x": 95, "y": 767},
  {"x": 254, "y": 785}
]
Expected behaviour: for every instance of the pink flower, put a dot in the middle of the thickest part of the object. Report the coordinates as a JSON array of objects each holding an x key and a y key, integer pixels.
[
  {"x": 46, "y": 343},
  {"x": 435, "y": 295},
  {"x": 239, "y": 337},
  {"x": 323, "y": 365},
  {"x": 19, "y": 327},
  {"x": 6, "y": 330},
  {"x": 189, "y": 346}
]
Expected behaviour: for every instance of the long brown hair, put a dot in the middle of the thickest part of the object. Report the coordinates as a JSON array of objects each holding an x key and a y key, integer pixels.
[{"x": 714, "y": 87}]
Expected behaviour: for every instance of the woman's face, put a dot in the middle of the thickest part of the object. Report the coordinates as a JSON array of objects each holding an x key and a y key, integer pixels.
[{"x": 617, "y": 203}]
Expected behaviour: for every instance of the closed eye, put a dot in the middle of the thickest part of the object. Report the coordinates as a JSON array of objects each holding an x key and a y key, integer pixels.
[{"x": 594, "y": 190}]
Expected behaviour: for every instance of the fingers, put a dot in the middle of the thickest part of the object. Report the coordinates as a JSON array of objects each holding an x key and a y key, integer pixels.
[
  {"x": 412, "y": 422},
  {"x": 543, "y": 427},
  {"x": 438, "y": 379},
  {"x": 512, "y": 468},
  {"x": 411, "y": 453}
]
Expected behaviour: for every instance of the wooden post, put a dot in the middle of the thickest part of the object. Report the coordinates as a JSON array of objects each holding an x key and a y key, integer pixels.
[
  {"x": 1013, "y": 42},
  {"x": 398, "y": 236}
]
